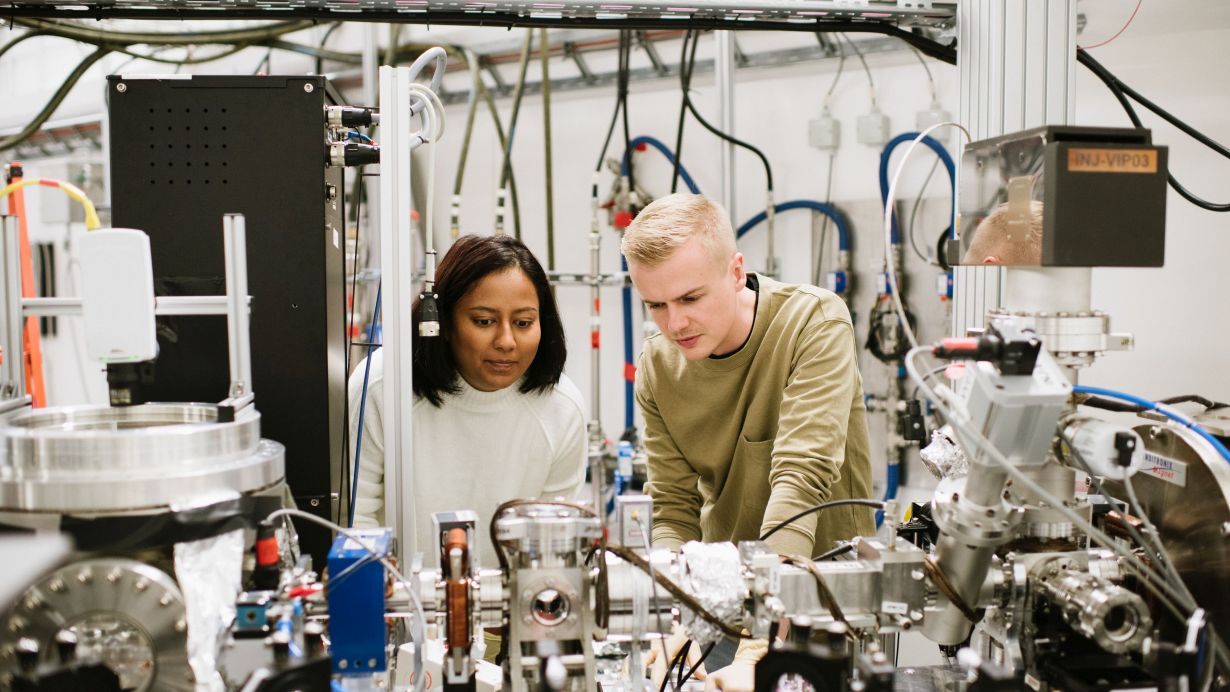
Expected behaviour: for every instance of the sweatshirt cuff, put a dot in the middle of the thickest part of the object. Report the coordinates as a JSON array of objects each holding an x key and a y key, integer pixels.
[{"x": 789, "y": 541}]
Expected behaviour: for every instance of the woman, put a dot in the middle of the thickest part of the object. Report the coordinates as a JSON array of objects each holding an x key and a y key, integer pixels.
[{"x": 494, "y": 416}]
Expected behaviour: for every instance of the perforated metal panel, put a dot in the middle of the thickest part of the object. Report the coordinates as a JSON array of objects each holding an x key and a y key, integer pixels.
[{"x": 183, "y": 153}]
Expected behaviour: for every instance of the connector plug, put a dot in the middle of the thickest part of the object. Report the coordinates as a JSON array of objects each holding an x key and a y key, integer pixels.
[
  {"x": 429, "y": 315},
  {"x": 352, "y": 154},
  {"x": 351, "y": 116}
]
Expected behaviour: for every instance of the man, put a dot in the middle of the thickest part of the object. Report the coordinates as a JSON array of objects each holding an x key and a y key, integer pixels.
[
  {"x": 752, "y": 398},
  {"x": 1010, "y": 235}
]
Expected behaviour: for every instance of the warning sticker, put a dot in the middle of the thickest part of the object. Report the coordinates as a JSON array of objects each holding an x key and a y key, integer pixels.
[
  {"x": 1112, "y": 160},
  {"x": 1165, "y": 468}
]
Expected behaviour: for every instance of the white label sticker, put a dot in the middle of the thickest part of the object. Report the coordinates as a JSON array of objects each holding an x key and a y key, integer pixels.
[
  {"x": 335, "y": 239},
  {"x": 895, "y": 608},
  {"x": 1169, "y": 470}
]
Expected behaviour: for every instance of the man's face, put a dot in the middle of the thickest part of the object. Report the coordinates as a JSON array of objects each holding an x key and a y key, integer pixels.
[{"x": 693, "y": 297}]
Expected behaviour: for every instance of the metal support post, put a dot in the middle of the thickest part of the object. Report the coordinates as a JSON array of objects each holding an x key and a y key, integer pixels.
[
  {"x": 12, "y": 386},
  {"x": 1017, "y": 69},
  {"x": 238, "y": 337},
  {"x": 724, "y": 78},
  {"x": 397, "y": 290}
]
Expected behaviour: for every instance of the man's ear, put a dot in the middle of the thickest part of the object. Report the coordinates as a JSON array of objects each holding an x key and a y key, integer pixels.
[{"x": 737, "y": 271}]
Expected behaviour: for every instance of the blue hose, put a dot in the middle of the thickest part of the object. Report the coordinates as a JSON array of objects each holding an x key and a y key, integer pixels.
[
  {"x": 1153, "y": 406},
  {"x": 367, "y": 371},
  {"x": 891, "y": 483},
  {"x": 843, "y": 229},
  {"x": 629, "y": 388},
  {"x": 626, "y": 164},
  {"x": 941, "y": 152}
]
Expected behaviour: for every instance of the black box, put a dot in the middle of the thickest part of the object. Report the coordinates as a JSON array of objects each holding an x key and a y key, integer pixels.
[
  {"x": 1099, "y": 195},
  {"x": 185, "y": 151}
]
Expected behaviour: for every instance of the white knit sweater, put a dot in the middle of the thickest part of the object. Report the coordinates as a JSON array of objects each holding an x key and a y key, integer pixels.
[{"x": 474, "y": 452}]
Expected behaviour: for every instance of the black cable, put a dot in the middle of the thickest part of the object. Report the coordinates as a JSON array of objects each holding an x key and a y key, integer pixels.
[
  {"x": 1183, "y": 398},
  {"x": 264, "y": 63},
  {"x": 941, "y": 250},
  {"x": 624, "y": 77},
  {"x": 691, "y": 107},
  {"x": 696, "y": 666},
  {"x": 86, "y": 34},
  {"x": 683, "y": 663},
  {"x": 344, "y": 481},
  {"x": 323, "y": 40},
  {"x": 24, "y": 37},
  {"x": 55, "y": 101},
  {"x": 830, "y": 554},
  {"x": 506, "y": 168},
  {"x": 610, "y": 131},
  {"x": 678, "y": 660},
  {"x": 1118, "y": 89},
  {"x": 914, "y": 214},
  {"x": 876, "y": 504},
  {"x": 683, "y": 113}
]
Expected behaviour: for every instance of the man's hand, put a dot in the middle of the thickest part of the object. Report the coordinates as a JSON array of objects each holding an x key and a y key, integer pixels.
[
  {"x": 740, "y": 675},
  {"x": 655, "y": 666}
]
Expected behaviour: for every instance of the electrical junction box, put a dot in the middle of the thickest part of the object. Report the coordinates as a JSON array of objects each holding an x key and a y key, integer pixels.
[
  {"x": 824, "y": 133},
  {"x": 630, "y": 531},
  {"x": 934, "y": 116},
  {"x": 873, "y": 129},
  {"x": 356, "y": 601}
]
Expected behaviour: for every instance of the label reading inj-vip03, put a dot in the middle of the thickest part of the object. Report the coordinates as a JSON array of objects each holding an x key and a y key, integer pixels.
[{"x": 1082, "y": 160}]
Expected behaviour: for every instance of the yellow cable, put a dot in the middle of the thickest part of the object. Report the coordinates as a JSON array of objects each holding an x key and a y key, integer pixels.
[{"x": 92, "y": 221}]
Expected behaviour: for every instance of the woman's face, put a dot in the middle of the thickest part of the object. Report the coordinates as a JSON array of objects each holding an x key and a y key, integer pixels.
[{"x": 496, "y": 330}]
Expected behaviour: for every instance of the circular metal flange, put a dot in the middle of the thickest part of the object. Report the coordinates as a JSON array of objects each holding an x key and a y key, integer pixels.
[
  {"x": 969, "y": 523},
  {"x": 100, "y": 459},
  {"x": 125, "y": 614},
  {"x": 1072, "y": 338},
  {"x": 546, "y": 528}
]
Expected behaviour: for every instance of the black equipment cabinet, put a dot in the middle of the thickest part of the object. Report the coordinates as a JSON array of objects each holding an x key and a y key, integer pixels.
[{"x": 186, "y": 151}]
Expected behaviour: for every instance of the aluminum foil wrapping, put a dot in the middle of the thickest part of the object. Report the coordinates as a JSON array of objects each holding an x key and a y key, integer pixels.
[
  {"x": 209, "y": 574},
  {"x": 944, "y": 458},
  {"x": 713, "y": 575}
]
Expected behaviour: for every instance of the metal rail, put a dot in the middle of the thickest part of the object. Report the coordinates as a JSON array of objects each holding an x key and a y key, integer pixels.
[{"x": 625, "y": 14}]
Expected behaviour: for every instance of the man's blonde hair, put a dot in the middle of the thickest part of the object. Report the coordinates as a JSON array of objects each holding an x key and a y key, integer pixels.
[
  {"x": 666, "y": 225},
  {"x": 1011, "y": 236}
]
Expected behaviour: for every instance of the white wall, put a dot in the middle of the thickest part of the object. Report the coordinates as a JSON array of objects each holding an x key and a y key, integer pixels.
[{"x": 1173, "y": 53}]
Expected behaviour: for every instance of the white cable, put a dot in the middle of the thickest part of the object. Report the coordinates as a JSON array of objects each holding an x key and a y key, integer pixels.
[
  {"x": 888, "y": 226},
  {"x": 430, "y": 109},
  {"x": 416, "y": 628},
  {"x": 437, "y": 76},
  {"x": 657, "y": 609}
]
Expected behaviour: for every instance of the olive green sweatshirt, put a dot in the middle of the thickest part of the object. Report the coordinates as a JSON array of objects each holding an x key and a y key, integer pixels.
[{"x": 740, "y": 443}]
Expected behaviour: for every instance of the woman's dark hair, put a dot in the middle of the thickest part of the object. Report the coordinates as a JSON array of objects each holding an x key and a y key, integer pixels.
[{"x": 468, "y": 261}]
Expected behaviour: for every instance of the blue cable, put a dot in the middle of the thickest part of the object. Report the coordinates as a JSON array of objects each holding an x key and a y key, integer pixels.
[
  {"x": 843, "y": 229},
  {"x": 625, "y": 167},
  {"x": 367, "y": 371},
  {"x": 941, "y": 152},
  {"x": 359, "y": 136},
  {"x": 629, "y": 388},
  {"x": 1154, "y": 406},
  {"x": 626, "y": 164}
]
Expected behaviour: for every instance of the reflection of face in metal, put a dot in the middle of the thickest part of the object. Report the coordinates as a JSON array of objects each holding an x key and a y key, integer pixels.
[{"x": 1010, "y": 236}]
